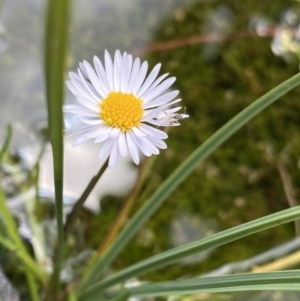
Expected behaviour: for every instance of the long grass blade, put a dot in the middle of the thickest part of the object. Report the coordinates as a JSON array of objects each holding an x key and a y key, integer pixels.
[
  {"x": 55, "y": 53},
  {"x": 283, "y": 280}
]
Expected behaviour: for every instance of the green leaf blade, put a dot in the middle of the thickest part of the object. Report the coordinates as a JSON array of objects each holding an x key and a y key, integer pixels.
[
  {"x": 284, "y": 280},
  {"x": 55, "y": 53}
]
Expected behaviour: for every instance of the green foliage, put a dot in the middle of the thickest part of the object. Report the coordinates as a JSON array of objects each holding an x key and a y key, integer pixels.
[{"x": 238, "y": 182}]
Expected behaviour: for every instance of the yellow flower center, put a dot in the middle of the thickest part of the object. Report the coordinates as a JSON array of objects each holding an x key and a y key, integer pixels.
[{"x": 121, "y": 110}]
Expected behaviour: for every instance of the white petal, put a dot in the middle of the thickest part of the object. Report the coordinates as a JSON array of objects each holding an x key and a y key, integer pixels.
[
  {"x": 82, "y": 67},
  {"x": 157, "y": 142},
  {"x": 91, "y": 121},
  {"x": 103, "y": 135},
  {"x": 117, "y": 71},
  {"x": 160, "y": 89},
  {"x": 87, "y": 98},
  {"x": 173, "y": 110},
  {"x": 132, "y": 148},
  {"x": 150, "y": 79},
  {"x": 140, "y": 78},
  {"x": 170, "y": 104},
  {"x": 154, "y": 150},
  {"x": 79, "y": 130},
  {"x": 134, "y": 74},
  {"x": 71, "y": 87},
  {"x": 81, "y": 88},
  {"x": 67, "y": 108},
  {"x": 79, "y": 110},
  {"x": 94, "y": 79},
  {"x": 101, "y": 74},
  {"x": 95, "y": 132},
  {"x": 126, "y": 67},
  {"x": 80, "y": 140},
  {"x": 154, "y": 85},
  {"x": 114, "y": 133},
  {"x": 142, "y": 146},
  {"x": 137, "y": 132},
  {"x": 129, "y": 68},
  {"x": 87, "y": 104},
  {"x": 122, "y": 145},
  {"x": 114, "y": 155},
  {"x": 106, "y": 147},
  {"x": 109, "y": 68},
  {"x": 151, "y": 131},
  {"x": 161, "y": 100},
  {"x": 89, "y": 87},
  {"x": 159, "y": 122},
  {"x": 149, "y": 114}
]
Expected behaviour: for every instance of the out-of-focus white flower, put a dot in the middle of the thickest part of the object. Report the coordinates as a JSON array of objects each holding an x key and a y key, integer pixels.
[{"x": 119, "y": 104}]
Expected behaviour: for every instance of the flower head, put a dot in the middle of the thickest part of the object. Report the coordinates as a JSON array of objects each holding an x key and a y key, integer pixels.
[{"x": 119, "y": 105}]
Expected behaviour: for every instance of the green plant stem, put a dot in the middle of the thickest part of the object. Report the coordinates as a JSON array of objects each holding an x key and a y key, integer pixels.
[
  {"x": 180, "y": 174},
  {"x": 213, "y": 241},
  {"x": 56, "y": 34},
  {"x": 78, "y": 206},
  {"x": 33, "y": 289}
]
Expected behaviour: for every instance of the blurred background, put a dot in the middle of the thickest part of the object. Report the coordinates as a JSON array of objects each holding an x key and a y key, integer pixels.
[{"x": 225, "y": 55}]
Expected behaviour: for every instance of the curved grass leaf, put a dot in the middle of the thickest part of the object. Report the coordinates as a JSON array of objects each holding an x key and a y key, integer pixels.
[
  {"x": 283, "y": 280},
  {"x": 180, "y": 174}
]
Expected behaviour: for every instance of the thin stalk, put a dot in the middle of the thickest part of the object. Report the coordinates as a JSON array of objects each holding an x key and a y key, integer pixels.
[
  {"x": 288, "y": 188},
  {"x": 79, "y": 204}
]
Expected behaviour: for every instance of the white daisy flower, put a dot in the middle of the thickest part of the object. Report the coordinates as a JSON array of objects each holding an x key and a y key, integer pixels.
[{"x": 119, "y": 104}]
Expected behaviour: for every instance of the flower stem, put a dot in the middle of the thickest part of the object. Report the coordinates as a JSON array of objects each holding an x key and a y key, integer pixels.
[{"x": 78, "y": 206}]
